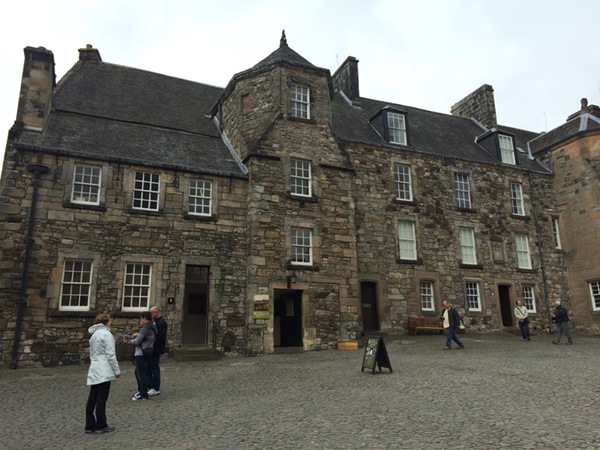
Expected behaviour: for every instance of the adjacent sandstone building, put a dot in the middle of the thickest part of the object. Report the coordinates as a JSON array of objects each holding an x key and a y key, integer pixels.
[{"x": 282, "y": 211}]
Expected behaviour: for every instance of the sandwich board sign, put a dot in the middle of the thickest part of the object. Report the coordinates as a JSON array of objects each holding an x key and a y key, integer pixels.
[{"x": 375, "y": 355}]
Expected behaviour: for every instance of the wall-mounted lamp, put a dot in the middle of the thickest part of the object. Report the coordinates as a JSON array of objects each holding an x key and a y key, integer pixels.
[{"x": 291, "y": 279}]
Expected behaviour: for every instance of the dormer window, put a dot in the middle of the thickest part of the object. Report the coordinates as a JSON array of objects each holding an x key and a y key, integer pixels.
[
  {"x": 396, "y": 127},
  {"x": 300, "y": 96},
  {"x": 507, "y": 149}
]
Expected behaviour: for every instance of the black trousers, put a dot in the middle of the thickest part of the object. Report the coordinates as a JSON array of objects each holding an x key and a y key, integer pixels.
[{"x": 97, "y": 402}]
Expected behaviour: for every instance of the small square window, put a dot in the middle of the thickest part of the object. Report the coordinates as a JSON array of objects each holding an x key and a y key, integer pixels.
[
  {"x": 529, "y": 298},
  {"x": 301, "y": 246},
  {"x": 426, "y": 294},
  {"x": 136, "y": 287},
  {"x": 76, "y": 285},
  {"x": 200, "y": 198},
  {"x": 146, "y": 189},
  {"x": 86, "y": 185}
]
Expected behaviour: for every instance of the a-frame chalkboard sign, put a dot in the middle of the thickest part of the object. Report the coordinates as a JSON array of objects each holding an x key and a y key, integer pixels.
[{"x": 376, "y": 354}]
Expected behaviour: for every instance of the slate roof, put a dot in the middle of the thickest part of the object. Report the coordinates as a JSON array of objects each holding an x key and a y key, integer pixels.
[
  {"x": 582, "y": 123},
  {"x": 111, "y": 112},
  {"x": 429, "y": 132}
]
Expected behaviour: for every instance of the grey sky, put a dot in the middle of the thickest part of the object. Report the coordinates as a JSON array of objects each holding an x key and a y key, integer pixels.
[{"x": 539, "y": 55}]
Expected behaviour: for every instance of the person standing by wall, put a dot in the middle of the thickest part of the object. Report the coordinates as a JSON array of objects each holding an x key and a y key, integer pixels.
[
  {"x": 561, "y": 316},
  {"x": 160, "y": 348},
  {"x": 521, "y": 315},
  {"x": 104, "y": 368},
  {"x": 144, "y": 348},
  {"x": 451, "y": 320}
]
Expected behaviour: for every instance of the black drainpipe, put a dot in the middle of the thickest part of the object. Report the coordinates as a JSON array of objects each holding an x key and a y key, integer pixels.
[
  {"x": 38, "y": 170},
  {"x": 541, "y": 250}
]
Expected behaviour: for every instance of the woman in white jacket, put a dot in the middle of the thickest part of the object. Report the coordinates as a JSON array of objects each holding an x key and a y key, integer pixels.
[{"x": 103, "y": 369}]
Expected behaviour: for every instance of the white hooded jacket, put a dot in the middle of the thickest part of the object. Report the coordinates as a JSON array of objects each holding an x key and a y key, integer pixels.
[{"x": 103, "y": 360}]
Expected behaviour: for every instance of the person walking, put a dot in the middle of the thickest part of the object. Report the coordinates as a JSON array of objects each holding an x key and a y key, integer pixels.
[
  {"x": 561, "y": 317},
  {"x": 451, "y": 320},
  {"x": 144, "y": 348},
  {"x": 160, "y": 348},
  {"x": 104, "y": 368},
  {"x": 521, "y": 315}
]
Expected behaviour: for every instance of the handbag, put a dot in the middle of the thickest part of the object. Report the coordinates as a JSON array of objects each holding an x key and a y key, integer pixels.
[{"x": 148, "y": 352}]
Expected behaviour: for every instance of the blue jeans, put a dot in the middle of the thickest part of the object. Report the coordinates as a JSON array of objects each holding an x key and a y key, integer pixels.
[
  {"x": 154, "y": 372},
  {"x": 451, "y": 336},
  {"x": 141, "y": 375},
  {"x": 524, "y": 326}
]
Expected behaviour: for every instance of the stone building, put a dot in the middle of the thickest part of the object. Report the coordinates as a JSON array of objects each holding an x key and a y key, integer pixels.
[{"x": 284, "y": 210}]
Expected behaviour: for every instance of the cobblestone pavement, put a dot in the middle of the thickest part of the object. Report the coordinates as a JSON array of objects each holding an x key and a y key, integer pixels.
[{"x": 500, "y": 392}]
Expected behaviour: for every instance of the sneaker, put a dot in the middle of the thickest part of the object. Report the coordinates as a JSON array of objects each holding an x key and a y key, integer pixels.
[
  {"x": 447, "y": 348},
  {"x": 89, "y": 430},
  {"x": 153, "y": 392},
  {"x": 137, "y": 399},
  {"x": 105, "y": 430}
]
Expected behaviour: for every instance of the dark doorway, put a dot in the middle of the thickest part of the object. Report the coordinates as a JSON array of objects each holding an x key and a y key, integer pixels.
[
  {"x": 505, "y": 305},
  {"x": 195, "y": 306},
  {"x": 288, "y": 319},
  {"x": 368, "y": 301}
]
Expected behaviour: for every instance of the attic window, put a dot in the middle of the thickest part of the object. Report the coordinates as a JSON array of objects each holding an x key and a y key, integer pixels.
[
  {"x": 396, "y": 128},
  {"x": 507, "y": 149}
]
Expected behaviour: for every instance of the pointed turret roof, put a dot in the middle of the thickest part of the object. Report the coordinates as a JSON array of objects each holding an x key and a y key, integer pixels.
[{"x": 284, "y": 54}]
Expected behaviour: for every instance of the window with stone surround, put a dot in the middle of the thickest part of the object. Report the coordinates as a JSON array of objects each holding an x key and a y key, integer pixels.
[
  {"x": 528, "y": 294},
  {"x": 146, "y": 189},
  {"x": 396, "y": 128},
  {"x": 403, "y": 183},
  {"x": 136, "y": 287},
  {"x": 462, "y": 191},
  {"x": 467, "y": 246},
  {"x": 516, "y": 199},
  {"x": 86, "y": 184},
  {"x": 300, "y": 178},
  {"x": 473, "y": 296},
  {"x": 556, "y": 233},
  {"x": 76, "y": 285},
  {"x": 522, "y": 249},
  {"x": 300, "y": 97},
  {"x": 426, "y": 295},
  {"x": 302, "y": 251},
  {"x": 407, "y": 244},
  {"x": 200, "y": 198},
  {"x": 507, "y": 149},
  {"x": 595, "y": 294}
]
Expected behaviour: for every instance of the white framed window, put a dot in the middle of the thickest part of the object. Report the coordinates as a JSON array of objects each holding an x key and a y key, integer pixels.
[
  {"x": 556, "y": 234},
  {"x": 300, "y": 101},
  {"x": 529, "y": 298},
  {"x": 522, "y": 248},
  {"x": 300, "y": 182},
  {"x": 200, "y": 198},
  {"x": 407, "y": 244},
  {"x": 76, "y": 285},
  {"x": 146, "y": 189},
  {"x": 426, "y": 295},
  {"x": 403, "y": 182},
  {"x": 396, "y": 128},
  {"x": 136, "y": 287},
  {"x": 595, "y": 294},
  {"x": 467, "y": 246},
  {"x": 301, "y": 246},
  {"x": 516, "y": 199},
  {"x": 473, "y": 296},
  {"x": 507, "y": 149},
  {"x": 86, "y": 184},
  {"x": 462, "y": 191}
]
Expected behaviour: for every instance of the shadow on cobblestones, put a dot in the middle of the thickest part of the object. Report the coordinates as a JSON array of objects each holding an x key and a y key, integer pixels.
[{"x": 500, "y": 392}]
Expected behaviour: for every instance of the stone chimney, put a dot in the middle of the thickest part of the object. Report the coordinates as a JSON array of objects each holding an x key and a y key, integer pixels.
[
  {"x": 37, "y": 86},
  {"x": 346, "y": 78},
  {"x": 89, "y": 53},
  {"x": 478, "y": 105}
]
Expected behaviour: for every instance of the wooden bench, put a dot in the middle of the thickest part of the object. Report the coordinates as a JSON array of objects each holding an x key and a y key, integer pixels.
[{"x": 424, "y": 323}]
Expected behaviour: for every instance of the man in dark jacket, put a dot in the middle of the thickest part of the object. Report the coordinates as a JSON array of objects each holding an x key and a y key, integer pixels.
[
  {"x": 451, "y": 321},
  {"x": 561, "y": 317},
  {"x": 160, "y": 348}
]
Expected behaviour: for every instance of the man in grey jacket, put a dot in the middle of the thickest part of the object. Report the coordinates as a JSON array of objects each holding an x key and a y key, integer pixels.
[
  {"x": 103, "y": 369},
  {"x": 144, "y": 344}
]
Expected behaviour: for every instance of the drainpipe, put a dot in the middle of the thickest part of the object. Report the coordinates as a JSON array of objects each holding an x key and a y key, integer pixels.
[
  {"x": 38, "y": 170},
  {"x": 541, "y": 251}
]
